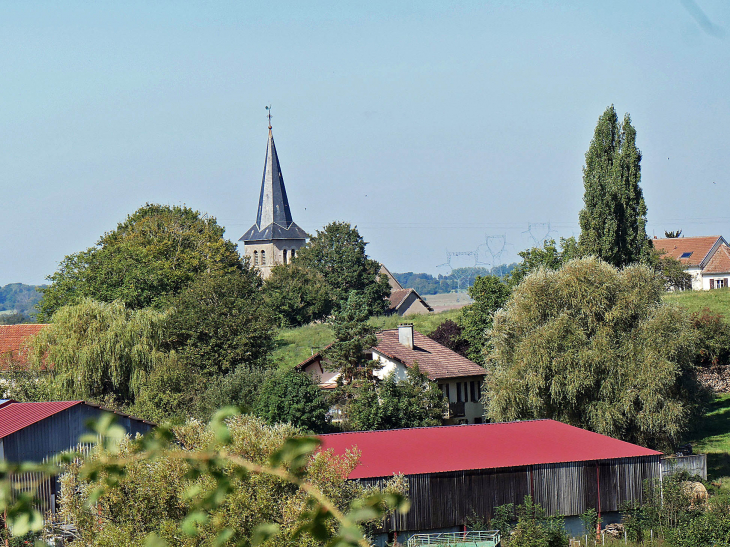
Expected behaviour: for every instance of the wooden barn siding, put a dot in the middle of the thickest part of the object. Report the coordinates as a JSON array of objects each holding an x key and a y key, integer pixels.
[{"x": 444, "y": 500}]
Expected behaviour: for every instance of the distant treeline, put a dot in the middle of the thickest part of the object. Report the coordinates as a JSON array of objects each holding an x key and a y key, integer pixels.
[
  {"x": 458, "y": 279},
  {"x": 19, "y": 299}
]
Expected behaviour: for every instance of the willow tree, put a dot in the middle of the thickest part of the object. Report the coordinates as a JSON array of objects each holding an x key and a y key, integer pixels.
[
  {"x": 595, "y": 347},
  {"x": 613, "y": 220},
  {"x": 101, "y": 351}
]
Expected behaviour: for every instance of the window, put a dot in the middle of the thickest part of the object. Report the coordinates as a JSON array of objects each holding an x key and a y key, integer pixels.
[
  {"x": 478, "y": 420},
  {"x": 458, "y": 393},
  {"x": 255, "y": 258},
  {"x": 284, "y": 255},
  {"x": 263, "y": 258},
  {"x": 293, "y": 253},
  {"x": 686, "y": 255},
  {"x": 446, "y": 391},
  {"x": 720, "y": 283},
  {"x": 472, "y": 388}
]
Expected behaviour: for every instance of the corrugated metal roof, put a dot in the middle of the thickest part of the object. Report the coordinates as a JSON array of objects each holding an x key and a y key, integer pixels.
[
  {"x": 484, "y": 446},
  {"x": 16, "y": 416}
]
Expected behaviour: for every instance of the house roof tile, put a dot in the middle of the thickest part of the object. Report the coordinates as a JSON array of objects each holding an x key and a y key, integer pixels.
[
  {"x": 720, "y": 261},
  {"x": 675, "y": 247},
  {"x": 435, "y": 360},
  {"x": 13, "y": 339}
]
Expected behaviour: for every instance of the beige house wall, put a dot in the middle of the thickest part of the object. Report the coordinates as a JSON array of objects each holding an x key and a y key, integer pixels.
[{"x": 412, "y": 306}]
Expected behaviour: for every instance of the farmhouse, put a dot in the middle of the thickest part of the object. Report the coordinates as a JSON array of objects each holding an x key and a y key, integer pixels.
[
  {"x": 458, "y": 473},
  {"x": 707, "y": 259},
  {"x": 36, "y": 431},
  {"x": 400, "y": 349}
]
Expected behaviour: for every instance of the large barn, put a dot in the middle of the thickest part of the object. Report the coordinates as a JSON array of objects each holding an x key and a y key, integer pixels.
[{"x": 456, "y": 473}]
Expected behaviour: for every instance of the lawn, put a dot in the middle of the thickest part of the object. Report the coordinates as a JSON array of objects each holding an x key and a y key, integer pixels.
[
  {"x": 294, "y": 345},
  {"x": 713, "y": 438},
  {"x": 717, "y": 300}
]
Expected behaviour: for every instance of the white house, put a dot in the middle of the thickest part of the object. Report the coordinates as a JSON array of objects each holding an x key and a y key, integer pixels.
[
  {"x": 707, "y": 259},
  {"x": 399, "y": 349}
]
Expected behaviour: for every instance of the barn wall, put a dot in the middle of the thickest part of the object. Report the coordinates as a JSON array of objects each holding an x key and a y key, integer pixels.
[
  {"x": 443, "y": 500},
  {"x": 59, "y": 432}
]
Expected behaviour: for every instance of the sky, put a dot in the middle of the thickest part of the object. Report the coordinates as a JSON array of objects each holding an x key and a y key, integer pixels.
[{"x": 436, "y": 127}]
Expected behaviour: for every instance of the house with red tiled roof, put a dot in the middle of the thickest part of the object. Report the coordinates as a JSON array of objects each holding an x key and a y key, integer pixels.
[
  {"x": 13, "y": 343},
  {"x": 402, "y": 300},
  {"x": 399, "y": 349},
  {"x": 707, "y": 259}
]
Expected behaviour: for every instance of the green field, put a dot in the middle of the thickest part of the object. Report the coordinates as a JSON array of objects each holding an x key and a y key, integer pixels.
[
  {"x": 713, "y": 438},
  {"x": 717, "y": 300},
  {"x": 294, "y": 345}
]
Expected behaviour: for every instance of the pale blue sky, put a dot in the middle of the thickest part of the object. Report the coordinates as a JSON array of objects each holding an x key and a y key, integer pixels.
[{"x": 430, "y": 125}]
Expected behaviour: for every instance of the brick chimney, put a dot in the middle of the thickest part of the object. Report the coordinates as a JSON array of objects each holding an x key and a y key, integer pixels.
[{"x": 405, "y": 334}]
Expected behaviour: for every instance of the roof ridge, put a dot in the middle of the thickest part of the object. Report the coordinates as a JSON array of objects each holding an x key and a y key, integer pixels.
[{"x": 444, "y": 427}]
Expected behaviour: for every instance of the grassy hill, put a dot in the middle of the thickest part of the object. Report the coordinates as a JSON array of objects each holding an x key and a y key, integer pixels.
[
  {"x": 294, "y": 345},
  {"x": 717, "y": 300}
]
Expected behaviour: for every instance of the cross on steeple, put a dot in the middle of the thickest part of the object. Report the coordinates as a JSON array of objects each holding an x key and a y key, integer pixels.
[{"x": 268, "y": 115}]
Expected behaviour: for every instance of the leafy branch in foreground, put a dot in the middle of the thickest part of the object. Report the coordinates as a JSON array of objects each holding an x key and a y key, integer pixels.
[{"x": 206, "y": 486}]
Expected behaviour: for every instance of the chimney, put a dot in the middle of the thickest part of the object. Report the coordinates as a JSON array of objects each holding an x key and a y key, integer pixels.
[{"x": 405, "y": 334}]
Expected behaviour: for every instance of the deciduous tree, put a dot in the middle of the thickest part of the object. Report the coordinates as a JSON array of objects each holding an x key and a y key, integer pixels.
[
  {"x": 595, "y": 347},
  {"x": 338, "y": 253},
  {"x": 292, "y": 397},
  {"x": 297, "y": 295},
  {"x": 489, "y": 294},
  {"x": 613, "y": 220},
  {"x": 155, "y": 253}
]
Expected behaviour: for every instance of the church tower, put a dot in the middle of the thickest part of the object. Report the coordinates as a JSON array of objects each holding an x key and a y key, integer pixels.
[{"x": 275, "y": 238}]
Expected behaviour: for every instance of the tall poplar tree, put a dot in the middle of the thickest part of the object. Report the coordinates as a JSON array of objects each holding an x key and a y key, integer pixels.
[{"x": 613, "y": 220}]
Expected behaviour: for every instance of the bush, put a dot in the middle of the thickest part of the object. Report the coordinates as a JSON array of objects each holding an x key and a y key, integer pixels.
[{"x": 713, "y": 346}]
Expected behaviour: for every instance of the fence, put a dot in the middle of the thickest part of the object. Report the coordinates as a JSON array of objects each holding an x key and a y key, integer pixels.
[{"x": 695, "y": 464}]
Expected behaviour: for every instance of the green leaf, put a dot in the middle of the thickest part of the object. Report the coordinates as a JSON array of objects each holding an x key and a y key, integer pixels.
[
  {"x": 189, "y": 525},
  {"x": 263, "y": 532},
  {"x": 153, "y": 540}
]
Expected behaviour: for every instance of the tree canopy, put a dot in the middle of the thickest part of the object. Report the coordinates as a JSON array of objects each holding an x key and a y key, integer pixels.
[
  {"x": 613, "y": 220},
  {"x": 489, "y": 294},
  {"x": 293, "y": 397},
  {"x": 155, "y": 253},
  {"x": 297, "y": 295},
  {"x": 595, "y": 347},
  {"x": 338, "y": 253}
]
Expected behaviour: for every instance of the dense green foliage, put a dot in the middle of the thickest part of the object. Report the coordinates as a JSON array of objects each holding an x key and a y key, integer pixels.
[
  {"x": 595, "y": 347},
  {"x": 674, "y": 273},
  {"x": 713, "y": 347},
  {"x": 292, "y": 397},
  {"x": 19, "y": 298},
  {"x": 613, "y": 220},
  {"x": 549, "y": 256},
  {"x": 535, "y": 529},
  {"x": 337, "y": 253},
  {"x": 414, "y": 402},
  {"x": 220, "y": 322},
  {"x": 101, "y": 351},
  {"x": 297, "y": 296},
  {"x": 237, "y": 482},
  {"x": 489, "y": 294},
  {"x": 154, "y": 254},
  {"x": 353, "y": 336},
  {"x": 458, "y": 279}
]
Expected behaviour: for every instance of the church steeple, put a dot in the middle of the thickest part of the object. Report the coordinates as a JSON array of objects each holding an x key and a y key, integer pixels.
[{"x": 273, "y": 218}]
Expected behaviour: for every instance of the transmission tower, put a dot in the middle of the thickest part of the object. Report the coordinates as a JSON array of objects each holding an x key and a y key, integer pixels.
[{"x": 539, "y": 232}]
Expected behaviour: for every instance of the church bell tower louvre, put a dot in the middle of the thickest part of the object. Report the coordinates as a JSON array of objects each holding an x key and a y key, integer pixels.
[{"x": 275, "y": 238}]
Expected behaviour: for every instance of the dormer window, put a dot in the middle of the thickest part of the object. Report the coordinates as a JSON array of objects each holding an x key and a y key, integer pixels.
[{"x": 686, "y": 255}]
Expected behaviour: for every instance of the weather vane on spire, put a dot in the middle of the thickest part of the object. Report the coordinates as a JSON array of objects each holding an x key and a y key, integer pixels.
[{"x": 268, "y": 108}]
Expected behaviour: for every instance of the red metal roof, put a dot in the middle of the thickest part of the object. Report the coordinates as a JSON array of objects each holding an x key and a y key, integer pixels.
[
  {"x": 16, "y": 416},
  {"x": 484, "y": 446}
]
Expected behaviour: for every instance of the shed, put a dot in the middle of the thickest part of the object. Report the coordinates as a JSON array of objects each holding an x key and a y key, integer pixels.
[
  {"x": 36, "y": 431},
  {"x": 460, "y": 472}
]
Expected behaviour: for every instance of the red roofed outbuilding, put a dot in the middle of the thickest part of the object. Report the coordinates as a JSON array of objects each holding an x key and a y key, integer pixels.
[
  {"x": 455, "y": 474},
  {"x": 13, "y": 343}
]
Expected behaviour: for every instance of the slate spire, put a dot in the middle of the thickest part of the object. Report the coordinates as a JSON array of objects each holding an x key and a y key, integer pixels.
[{"x": 273, "y": 219}]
